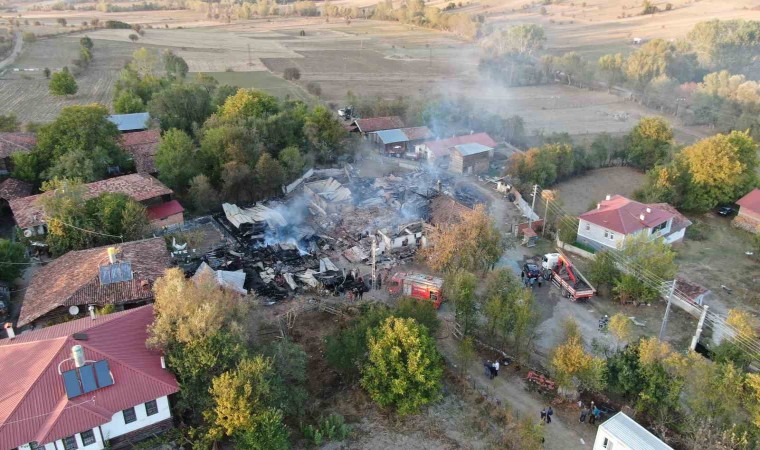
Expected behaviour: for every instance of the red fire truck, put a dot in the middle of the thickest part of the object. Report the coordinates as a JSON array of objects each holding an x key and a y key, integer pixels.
[{"x": 417, "y": 285}]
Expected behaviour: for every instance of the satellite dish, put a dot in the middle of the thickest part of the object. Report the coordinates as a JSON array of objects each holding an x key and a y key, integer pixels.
[
  {"x": 28, "y": 233},
  {"x": 74, "y": 310}
]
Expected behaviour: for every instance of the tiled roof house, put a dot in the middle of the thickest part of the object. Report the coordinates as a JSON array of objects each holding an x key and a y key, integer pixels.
[{"x": 112, "y": 393}]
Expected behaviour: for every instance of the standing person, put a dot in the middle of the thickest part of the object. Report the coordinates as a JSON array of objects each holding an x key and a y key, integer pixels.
[
  {"x": 592, "y": 415},
  {"x": 584, "y": 413},
  {"x": 487, "y": 366},
  {"x": 549, "y": 413},
  {"x": 543, "y": 415},
  {"x": 496, "y": 368},
  {"x": 597, "y": 413}
]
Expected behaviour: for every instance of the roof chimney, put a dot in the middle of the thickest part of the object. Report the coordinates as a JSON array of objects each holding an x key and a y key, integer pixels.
[
  {"x": 163, "y": 362},
  {"x": 112, "y": 255},
  {"x": 641, "y": 216},
  {"x": 9, "y": 329},
  {"x": 93, "y": 314},
  {"x": 608, "y": 198},
  {"x": 649, "y": 210},
  {"x": 598, "y": 206},
  {"x": 77, "y": 353}
]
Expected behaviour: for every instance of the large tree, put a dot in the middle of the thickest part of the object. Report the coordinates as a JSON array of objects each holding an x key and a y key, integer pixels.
[
  {"x": 404, "y": 368},
  {"x": 650, "y": 142},
  {"x": 473, "y": 244},
  {"x": 460, "y": 289},
  {"x": 509, "y": 313},
  {"x": 176, "y": 159},
  {"x": 84, "y": 130},
  {"x": 181, "y": 105},
  {"x": 63, "y": 83},
  {"x": 269, "y": 176},
  {"x": 12, "y": 260},
  {"x": 644, "y": 258},
  {"x": 520, "y": 39}
]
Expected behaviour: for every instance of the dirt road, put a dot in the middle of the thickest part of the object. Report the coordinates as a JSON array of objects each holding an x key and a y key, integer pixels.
[
  {"x": 14, "y": 54},
  {"x": 564, "y": 433}
]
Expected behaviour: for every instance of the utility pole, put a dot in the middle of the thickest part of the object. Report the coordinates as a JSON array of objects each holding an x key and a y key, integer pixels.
[
  {"x": 374, "y": 262},
  {"x": 548, "y": 196},
  {"x": 667, "y": 310},
  {"x": 532, "y": 205},
  {"x": 698, "y": 334},
  {"x": 250, "y": 62}
]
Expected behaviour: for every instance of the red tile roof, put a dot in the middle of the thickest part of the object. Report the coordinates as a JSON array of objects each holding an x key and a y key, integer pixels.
[
  {"x": 379, "y": 123},
  {"x": 11, "y": 189},
  {"x": 142, "y": 146},
  {"x": 164, "y": 210},
  {"x": 34, "y": 405},
  {"x": 140, "y": 186},
  {"x": 445, "y": 211},
  {"x": 679, "y": 220},
  {"x": 16, "y": 142},
  {"x": 441, "y": 147},
  {"x": 416, "y": 133},
  {"x": 751, "y": 201},
  {"x": 623, "y": 215},
  {"x": 73, "y": 279}
]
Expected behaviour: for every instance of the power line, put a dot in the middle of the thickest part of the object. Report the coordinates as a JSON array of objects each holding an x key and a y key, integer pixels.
[
  {"x": 651, "y": 280},
  {"x": 89, "y": 231}
]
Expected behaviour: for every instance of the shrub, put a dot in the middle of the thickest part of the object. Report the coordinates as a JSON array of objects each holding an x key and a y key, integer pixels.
[
  {"x": 115, "y": 24},
  {"x": 331, "y": 428},
  {"x": 314, "y": 88},
  {"x": 291, "y": 73},
  {"x": 28, "y": 37}
]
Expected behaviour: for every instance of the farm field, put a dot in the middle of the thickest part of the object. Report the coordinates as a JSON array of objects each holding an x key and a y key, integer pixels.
[
  {"x": 579, "y": 193},
  {"x": 265, "y": 81}
]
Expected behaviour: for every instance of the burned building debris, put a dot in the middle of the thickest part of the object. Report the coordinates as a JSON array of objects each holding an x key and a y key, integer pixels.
[{"x": 325, "y": 235}]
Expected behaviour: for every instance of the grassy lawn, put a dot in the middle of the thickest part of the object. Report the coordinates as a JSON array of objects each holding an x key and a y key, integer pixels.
[{"x": 264, "y": 81}]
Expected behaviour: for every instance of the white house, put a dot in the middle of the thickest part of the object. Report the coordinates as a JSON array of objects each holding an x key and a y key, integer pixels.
[
  {"x": 86, "y": 384},
  {"x": 617, "y": 217},
  {"x": 620, "y": 432}
]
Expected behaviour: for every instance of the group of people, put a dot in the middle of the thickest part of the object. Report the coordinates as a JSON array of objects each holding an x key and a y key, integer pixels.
[
  {"x": 592, "y": 412},
  {"x": 532, "y": 281},
  {"x": 546, "y": 414},
  {"x": 492, "y": 369}
]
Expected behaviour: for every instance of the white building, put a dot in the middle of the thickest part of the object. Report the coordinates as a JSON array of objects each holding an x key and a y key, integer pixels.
[
  {"x": 87, "y": 384},
  {"x": 617, "y": 217},
  {"x": 620, "y": 432}
]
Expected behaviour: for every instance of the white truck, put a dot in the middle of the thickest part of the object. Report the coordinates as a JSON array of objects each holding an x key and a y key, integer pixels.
[{"x": 558, "y": 268}]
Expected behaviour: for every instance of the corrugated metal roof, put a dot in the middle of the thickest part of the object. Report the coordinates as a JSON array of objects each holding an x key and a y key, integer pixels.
[
  {"x": 392, "y": 136},
  {"x": 35, "y": 407},
  {"x": 632, "y": 434},
  {"x": 472, "y": 149},
  {"x": 130, "y": 122}
]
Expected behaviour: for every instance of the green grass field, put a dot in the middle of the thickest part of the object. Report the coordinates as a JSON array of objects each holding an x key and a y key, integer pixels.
[{"x": 264, "y": 81}]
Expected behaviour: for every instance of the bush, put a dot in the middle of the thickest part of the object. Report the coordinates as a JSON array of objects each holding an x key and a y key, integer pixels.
[
  {"x": 115, "y": 24},
  {"x": 331, "y": 428},
  {"x": 28, "y": 37},
  {"x": 697, "y": 231},
  {"x": 291, "y": 73},
  {"x": 314, "y": 88}
]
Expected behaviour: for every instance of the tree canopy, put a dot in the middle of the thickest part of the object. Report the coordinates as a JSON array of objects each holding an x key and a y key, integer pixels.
[{"x": 63, "y": 83}]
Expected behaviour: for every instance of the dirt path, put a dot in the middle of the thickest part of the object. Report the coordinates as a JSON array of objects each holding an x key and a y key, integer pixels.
[
  {"x": 564, "y": 433},
  {"x": 14, "y": 54}
]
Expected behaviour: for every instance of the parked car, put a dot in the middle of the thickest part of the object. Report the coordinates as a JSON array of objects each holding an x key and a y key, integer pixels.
[
  {"x": 531, "y": 270},
  {"x": 726, "y": 211}
]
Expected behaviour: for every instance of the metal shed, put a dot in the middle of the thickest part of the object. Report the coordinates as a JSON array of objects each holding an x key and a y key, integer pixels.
[{"x": 620, "y": 432}]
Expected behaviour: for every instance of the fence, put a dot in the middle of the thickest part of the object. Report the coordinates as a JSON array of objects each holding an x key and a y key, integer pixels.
[{"x": 575, "y": 250}]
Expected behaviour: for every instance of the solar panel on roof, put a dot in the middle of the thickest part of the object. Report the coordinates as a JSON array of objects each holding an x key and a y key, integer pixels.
[
  {"x": 115, "y": 273},
  {"x": 103, "y": 373},
  {"x": 71, "y": 383},
  {"x": 87, "y": 375}
]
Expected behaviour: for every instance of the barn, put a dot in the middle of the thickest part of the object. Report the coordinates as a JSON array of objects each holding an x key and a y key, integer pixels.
[{"x": 470, "y": 158}]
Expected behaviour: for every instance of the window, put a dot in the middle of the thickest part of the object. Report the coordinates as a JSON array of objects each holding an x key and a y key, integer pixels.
[
  {"x": 607, "y": 444},
  {"x": 151, "y": 408},
  {"x": 88, "y": 437},
  {"x": 36, "y": 446},
  {"x": 606, "y": 233},
  {"x": 659, "y": 227},
  {"x": 588, "y": 227},
  {"x": 69, "y": 443},
  {"x": 612, "y": 236},
  {"x": 433, "y": 296},
  {"x": 129, "y": 415}
]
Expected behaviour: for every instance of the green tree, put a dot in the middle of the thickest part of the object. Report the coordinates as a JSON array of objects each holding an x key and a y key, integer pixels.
[
  {"x": 423, "y": 312},
  {"x": 509, "y": 313},
  {"x": 12, "y": 260},
  {"x": 269, "y": 175},
  {"x": 567, "y": 229},
  {"x": 611, "y": 68},
  {"x": 460, "y": 289},
  {"x": 726, "y": 44},
  {"x": 289, "y": 361},
  {"x": 63, "y": 83},
  {"x": 9, "y": 123},
  {"x": 181, "y": 105},
  {"x": 346, "y": 351},
  {"x": 84, "y": 130},
  {"x": 324, "y": 134},
  {"x": 176, "y": 159},
  {"x": 205, "y": 198},
  {"x": 292, "y": 162},
  {"x": 403, "y": 369},
  {"x": 466, "y": 353},
  {"x": 238, "y": 183},
  {"x": 144, "y": 62},
  {"x": 649, "y": 142},
  {"x": 572, "y": 367},
  {"x": 86, "y": 42},
  {"x": 648, "y": 62},
  {"x": 248, "y": 103},
  {"x": 644, "y": 256},
  {"x": 175, "y": 65},
  {"x": 520, "y": 39},
  {"x": 602, "y": 271},
  {"x": 127, "y": 103}
]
